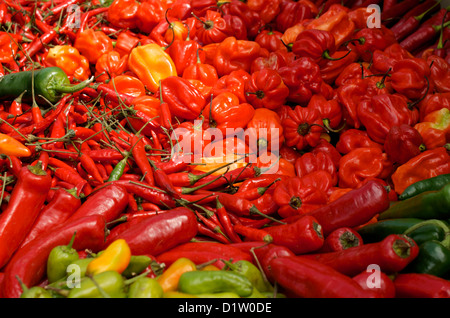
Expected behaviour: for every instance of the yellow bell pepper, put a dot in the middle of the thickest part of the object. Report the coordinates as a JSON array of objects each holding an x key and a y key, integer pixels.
[
  {"x": 115, "y": 257},
  {"x": 151, "y": 64}
]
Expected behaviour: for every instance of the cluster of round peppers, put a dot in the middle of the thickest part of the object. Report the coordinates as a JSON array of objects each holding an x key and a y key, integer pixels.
[{"x": 91, "y": 183}]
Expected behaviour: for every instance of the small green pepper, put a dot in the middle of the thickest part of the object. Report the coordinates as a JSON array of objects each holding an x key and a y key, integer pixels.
[
  {"x": 209, "y": 282},
  {"x": 219, "y": 295},
  {"x": 58, "y": 260},
  {"x": 430, "y": 184},
  {"x": 377, "y": 231},
  {"x": 426, "y": 205},
  {"x": 138, "y": 263},
  {"x": 33, "y": 292},
  {"x": 145, "y": 287},
  {"x": 51, "y": 83},
  {"x": 109, "y": 284},
  {"x": 252, "y": 272}
]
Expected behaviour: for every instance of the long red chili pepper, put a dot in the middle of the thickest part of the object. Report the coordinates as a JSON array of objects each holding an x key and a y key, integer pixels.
[
  {"x": 63, "y": 204},
  {"x": 140, "y": 157},
  {"x": 225, "y": 220},
  {"x": 418, "y": 285},
  {"x": 392, "y": 255},
  {"x": 29, "y": 263},
  {"x": 307, "y": 278},
  {"x": 37, "y": 45},
  {"x": 162, "y": 232},
  {"x": 25, "y": 203},
  {"x": 353, "y": 208}
]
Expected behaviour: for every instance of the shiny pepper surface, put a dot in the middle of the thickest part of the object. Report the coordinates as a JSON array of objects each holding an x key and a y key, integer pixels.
[
  {"x": 69, "y": 60},
  {"x": 151, "y": 64},
  {"x": 93, "y": 44},
  {"x": 115, "y": 257}
]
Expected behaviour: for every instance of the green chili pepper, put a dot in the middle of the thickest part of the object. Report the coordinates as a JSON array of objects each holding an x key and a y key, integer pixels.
[
  {"x": 426, "y": 205},
  {"x": 209, "y": 282},
  {"x": 434, "y": 255},
  {"x": 273, "y": 295},
  {"x": 219, "y": 295},
  {"x": 50, "y": 83},
  {"x": 138, "y": 263},
  {"x": 58, "y": 260},
  {"x": 252, "y": 272},
  {"x": 375, "y": 232},
  {"x": 109, "y": 284},
  {"x": 430, "y": 184},
  {"x": 145, "y": 287},
  {"x": 33, "y": 292}
]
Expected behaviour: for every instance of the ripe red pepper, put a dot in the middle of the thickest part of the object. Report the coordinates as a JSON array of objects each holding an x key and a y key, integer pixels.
[
  {"x": 109, "y": 202},
  {"x": 307, "y": 278},
  {"x": 211, "y": 28},
  {"x": 362, "y": 163},
  {"x": 160, "y": 233},
  {"x": 252, "y": 20},
  {"x": 439, "y": 73},
  {"x": 234, "y": 83},
  {"x": 184, "y": 100},
  {"x": 341, "y": 239},
  {"x": 202, "y": 252},
  {"x": 416, "y": 285},
  {"x": 402, "y": 143},
  {"x": 62, "y": 205},
  {"x": 355, "y": 138},
  {"x": 392, "y": 254},
  {"x": 386, "y": 289},
  {"x": 294, "y": 12},
  {"x": 353, "y": 208},
  {"x": 316, "y": 161},
  {"x": 382, "y": 112},
  {"x": 410, "y": 77},
  {"x": 29, "y": 263},
  {"x": 266, "y": 89},
  {"x": 301, "y": 236},
  {"x": 27, "y": 198}
]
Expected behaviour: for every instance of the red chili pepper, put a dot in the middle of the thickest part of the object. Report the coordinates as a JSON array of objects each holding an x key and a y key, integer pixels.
[
  {"x": 161, "y": 233},
  {"x": 353, "y": 208},
  {"x": 27, "y": 198},
  {"x": 307, "y": 278},
  {"x": 29, "y": 263},
  {"x": 140, "y": 157},
  {"x": 109, "y": 202},
  {"x": 202, "y": 252},
  {"x": 392, "y": 255},
  {"x": 37, "y": 45},
  {"x": 341, "y": 239},
  {"x": 253, "y": 234},
  {"x": 62, "y": 205},
  {"x": 386, "y": 287},
  {"x": 417, "y": 285}
]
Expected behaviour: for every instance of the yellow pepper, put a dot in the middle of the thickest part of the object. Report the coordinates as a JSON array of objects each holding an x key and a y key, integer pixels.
[
  {"x": 10, "y": 146},
  {"x": 115, "y": 257},
  {"x": 169, "y": 278},
  {"x": 151, "y": 64}
]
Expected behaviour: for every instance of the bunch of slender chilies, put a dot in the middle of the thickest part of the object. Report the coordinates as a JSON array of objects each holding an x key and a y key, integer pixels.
[{"x": 114, "y": 120}]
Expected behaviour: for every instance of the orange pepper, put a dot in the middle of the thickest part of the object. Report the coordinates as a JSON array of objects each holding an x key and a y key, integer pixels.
[
  {"x": 93, "y": 44},
  {"x": 170, "y": 277},
  {"x": 69, "y": 60},
  {"x": 115, "y": 257},
  {"x": 110, "y": 65},
  {"x": 151, "y": 64},
  {"x": 128, "y": 85},
  {"x": 12, "y": 147},
  {"x": 150, "y": 107}
]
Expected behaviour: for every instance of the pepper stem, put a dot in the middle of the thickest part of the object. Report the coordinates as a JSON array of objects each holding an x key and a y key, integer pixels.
[
  {"x": 73, "y": 88},
  {"x": 326, "y": 55}
]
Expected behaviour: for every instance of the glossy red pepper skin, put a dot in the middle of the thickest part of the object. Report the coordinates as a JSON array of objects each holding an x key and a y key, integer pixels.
[
  {"x": 353, "y": 208},
  {"x": 57, "y": 211},
  {"x": 202, "y": 252},
  {"x": 306, "y": 278},
  {"x": 415, "y": 285},
  {"x": 302, "y": 236},
  {"x": 29, "y": 263},
  {"x": 109, "y": 202},
  {"x": 161, "y": 233},
  {"x": 27, "y": 198},
  {"x": 392, "y": 255},
  {"x": 386, "y": 289},
  {"x": 355, "y": 138},
  {"x": 402, "y": 143},
  {"x": 341, "y": 239}
]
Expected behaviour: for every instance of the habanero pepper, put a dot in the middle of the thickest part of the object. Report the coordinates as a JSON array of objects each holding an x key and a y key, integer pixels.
[
  {"x": 351, "y": 139},
  {"x": 16, "y": 221},
  {"x": 439, "y": 73},
  {"x": 402, "y": 143},
  {"x": 430, "y": 163},
  {"x": 93, "y": 44}
]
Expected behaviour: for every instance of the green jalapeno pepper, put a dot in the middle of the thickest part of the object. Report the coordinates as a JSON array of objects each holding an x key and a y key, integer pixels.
[
  {"x": 58, "y": 260},
  {"x": 252, "y": 272},
  {"x": 430, "y": 184},
  {"x": 145, "y": 287},
  {"x": 51, "y": 83},
  {"x": 138, "y": 263},
  {"x": 210, "y": 282},
  {"x": 426, "y": 205},
  {"x": 109, "y": 284}
]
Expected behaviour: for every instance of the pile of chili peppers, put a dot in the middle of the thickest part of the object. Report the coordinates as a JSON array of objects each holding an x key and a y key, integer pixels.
[{"x": 91, "y": 93}]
